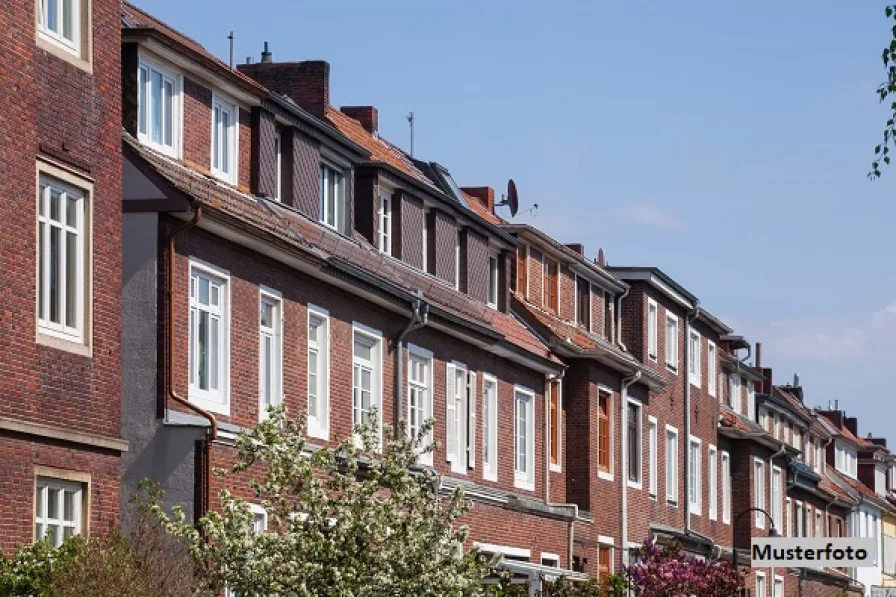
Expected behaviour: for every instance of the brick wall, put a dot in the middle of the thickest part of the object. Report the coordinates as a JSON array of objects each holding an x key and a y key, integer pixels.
[
  {"x": 57, "y": 110},
  {"x": 197, "y": 131}
]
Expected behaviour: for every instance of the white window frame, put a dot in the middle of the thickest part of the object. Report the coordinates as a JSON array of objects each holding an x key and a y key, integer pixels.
[
  {"x": 384, "y": 221},
  {"x": 558, "y": 467},
  {"x": 278, "y": 156},
  {"x": 326, "y": 169},
  {"x": 490, "y": 427},
  {"x": 695, "y": 483},
  {"x": 526, "y": 398},
  {"x": 260, "y": 514},
  {"x": 423, "y": 389},
  {"x": 778, "y": 582},
  {"x": 695, "y": 368},
  {"x": 751, "y": 401},
  {"x": 726, "y": 487},
  {"x": 217, "y": 401},
  {"x": 777, "y": 497},
  {"x": 493, "y": 281},
  {"x": 226, "y": 169},
  {"x": 672, "y": 481},
  {"x": 145, "y": 108},
  {"x": 788, "y": 517},
  {"x": 652, "y": 329},
  {"x": 319, "y": 424},
  {"x": 611, "y": 428},
  {"x": 58, "y": 38},
  {"x": 672, "y": 343},
  {"x": 44, "y": 485},
  {"x": 636, "y": 483},
  {"x": 652, "y": 439},
  {"x": 712, "y": 456},
  {"x": 759, "y": 492},
  {"x": 761, "y": 581},
  {"x": 456, "y": 380},
  {"x": 274, "y": 299},
  {"x": 81, "y": 230},
  {"x": 712, "y": 376},
  {"x": 734, "y": 392},
  {"x": 375, "y": 364}
]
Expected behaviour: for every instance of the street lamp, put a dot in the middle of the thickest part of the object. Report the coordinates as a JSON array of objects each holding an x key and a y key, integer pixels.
[{"x": 772, "y": 532}]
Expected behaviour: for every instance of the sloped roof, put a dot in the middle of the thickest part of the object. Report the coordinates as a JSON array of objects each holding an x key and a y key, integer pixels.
[
  {"x": 728, "y": 418},
  {"x": 482, "y": 211},
  {"x": 322, "y": 243},
  {"x": 136, "y": 19},
  {"x": 825, "y": 484},
  {"x": 857, "y": 487}
]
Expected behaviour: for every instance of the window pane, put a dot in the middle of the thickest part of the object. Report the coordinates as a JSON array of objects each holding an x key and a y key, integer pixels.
[
  {"x": 53, "y": 15},
  {"x": 54, "y": 274},
  {"x": 156, "y": 90},
  {"x": 216, "y": 137},
  {"x": 267, "y": 363},
  {"x": 71, "y": 211},
  {"x": 192, "y": 346},
  {"x": 68, "y": 507},
  {"x": 363, "y": 350},
  {"x": 54, "y": 535},
  {"x": 41, "y": 236},
  {"x": 225, "y": 141},
  {"x": 331, "y": 197},
  {"x": 169, "y": 113},
  {"x": 144, "y": 99},
  {"x": 312, "y": 383},
  {"x": 55, "y": 207},
  {"x": 71, "y": 280},
  {"x": 68, "y": 20},
  {"x": 214, "y": 324},
  {"x": 203, "y": 290},
  {"x": 53, "y": 503},
  {"x": 203, "y": 350}
]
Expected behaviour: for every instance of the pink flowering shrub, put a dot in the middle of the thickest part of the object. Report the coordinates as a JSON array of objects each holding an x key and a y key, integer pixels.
[{"x": 666, "y": 571}]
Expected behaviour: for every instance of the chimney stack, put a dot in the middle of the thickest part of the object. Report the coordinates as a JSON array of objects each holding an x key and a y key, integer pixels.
[
  {"x": 759, "y": 356},
  {"x": 601, "y": 258},
  {"x": 485, "y": 196},
  {"x": 852, "y": 423},
  {"x": 366, "y": 115},
  {"x": 306, "y": 83},
  {"x": 577, "y": 247},
  {"x": 266, "y": 56},
  {"x": 796, "y": 380}
]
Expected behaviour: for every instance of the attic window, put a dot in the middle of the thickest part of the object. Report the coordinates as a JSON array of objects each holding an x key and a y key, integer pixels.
[{"x": 448, "y": 184}]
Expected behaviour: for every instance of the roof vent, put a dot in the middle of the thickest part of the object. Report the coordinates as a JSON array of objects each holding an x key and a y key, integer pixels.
[
  {"x": 266, "y": 56},
  {"x": 601, "y": 258}
]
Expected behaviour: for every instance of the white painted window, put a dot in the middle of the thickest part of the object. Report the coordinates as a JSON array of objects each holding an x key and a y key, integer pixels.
[
  {"x": 712, "y": 376},
  {"x": 332, "y": 196},
  {"x": 671, "y": 342},
  {"x": 278, "y": 156},
  {"x": 695, "y": 374},
  {"x": 472, "y": 401},
  {"x": 62, "y": 259},
  {"x": 713, "y": 456},
  {"x": 777, "y": 498},
  {"x": 761, "y": 587},
  {"x": 57, "y": 510},
  {"x": 778, "y": 590},
  {"x": 524, "y": 438},
  {"x": 788, "y": 516},
  {"x": 695, "y": 486},
  {"x": 763, "y": 419},
  {"x": 726, "y": 487},
  {"x": 225, "y": 139},
  {"x": 60, "y": 22},
  {"x": 819, "y": 526},
  {"x": 367, "y": 375},
  {"x": 759, "y": 492},
  {"x": 751, "y": 401},
  {"x": 318, "y": 372},
  {"x": 652, "y": 455},
  {"x": 821, "y": 463},
  {"x": 798, "y": 441},
  {"x": 385, "y": 222},
  {"x": 734, "y": 392},
  {"x": 798, "y": 518},
  {"x": 671, "y": 465},
  {"x": 159, "y": 103},
  {"x": 209, "y": 338},
  {"x": 846, "y": 460},
  {"x": 270, "y": 358},
  {"x": 493, "y": 281},
  {"x": 634, "y": 441},
  {"x": 456, "y": 418},
  {"x": 490, "y": 428},
  {"x": 651, "y": 329},
  {"x": 419, "y": 394}
]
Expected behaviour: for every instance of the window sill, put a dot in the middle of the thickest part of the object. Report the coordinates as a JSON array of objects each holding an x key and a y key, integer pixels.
[
  {"x": 605, "y": 476},
  {"x": 652, "y": 496},
  {"x": 652, "y": 358},
  {"x": 672, "y": 368},
  {"x": 673, "y": 503},
  {"x": 695, "y": 511},
  {"x": 634, "y": 484},
  {"x": 489, "y": 476},
  {"x": 524, "y": 485},
  {"x": 223, "y": 177},
  {"x": 73, "y": 56},
  {"x": 52, "y": 339},
  {"x": 318, "y": 433},
  {"x": 556, "y": 468},
  {"x": 696, "y": 384},
  {"x": 221, "y": 407}
]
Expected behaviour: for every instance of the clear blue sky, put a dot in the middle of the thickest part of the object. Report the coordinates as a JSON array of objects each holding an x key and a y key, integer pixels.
[{"x": 725, "y": 142}]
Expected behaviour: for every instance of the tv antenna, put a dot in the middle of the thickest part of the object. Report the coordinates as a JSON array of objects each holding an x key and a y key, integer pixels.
[{"x": 411, "y": 124}]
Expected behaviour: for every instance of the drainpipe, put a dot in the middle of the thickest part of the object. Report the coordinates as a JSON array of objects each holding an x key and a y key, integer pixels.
[
  {"x": 771, "y": 477},
  {"x": 619, "y": 319},
  {"x": 694, "y": 313},
  {"x": 419, "y": 319},
  {"x": 623, "y": 398},
  {"x": 212, "y": 433},
  {"x": 571, "y": 532}
]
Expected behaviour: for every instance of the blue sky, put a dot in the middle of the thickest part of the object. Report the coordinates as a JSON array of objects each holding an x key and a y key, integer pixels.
[{"x": 725, "y": 142}]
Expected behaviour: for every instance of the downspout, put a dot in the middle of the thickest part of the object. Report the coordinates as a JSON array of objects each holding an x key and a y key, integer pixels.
[
  {"x": 623, "y": 399},
  {"x": 212, "y": 433},
  {"x": 771, "y": 477},
  {"x": 419, "y": 319},
  {"x": 571, "y": 532},
  {"x": 619, "y": 319},
  {"x": 694, "y": 313}
]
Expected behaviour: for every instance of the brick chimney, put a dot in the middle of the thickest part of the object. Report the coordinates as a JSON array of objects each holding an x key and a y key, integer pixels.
[
  {"x": 768, "y": 382},
  {"x": 485, "y": 195},
  {"x": 306, "y": 83},
  {"x": 366, "y": 115},
  {"x": 834, "y": 416},
  {"x": 577, "y": 247},
  {"x": 852, "y": 423}
]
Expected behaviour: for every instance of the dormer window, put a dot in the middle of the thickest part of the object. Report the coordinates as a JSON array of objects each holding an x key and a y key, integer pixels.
[
  {"x": 158, "y": 114},
  {"x": 846, "y": 460},
  {"x": 385, "y": 222},
  {"x": 224, "y": 139},
  {"x": 550, "y": 282},
  {"x": 493, "y": 281},
  {"x": 332, "y": 196}
]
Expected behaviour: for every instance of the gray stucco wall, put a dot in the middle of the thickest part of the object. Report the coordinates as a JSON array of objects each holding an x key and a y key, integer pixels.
[{"x": 164, "y": 454}]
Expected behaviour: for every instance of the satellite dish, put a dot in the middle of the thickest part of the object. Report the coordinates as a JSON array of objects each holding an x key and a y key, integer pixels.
[{"x": 513, "y": 200}]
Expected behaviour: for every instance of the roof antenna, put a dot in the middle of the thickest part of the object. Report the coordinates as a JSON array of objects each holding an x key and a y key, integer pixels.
[
  {"x": 411, "y": 124},
  {"x": 230, "y": 38}
]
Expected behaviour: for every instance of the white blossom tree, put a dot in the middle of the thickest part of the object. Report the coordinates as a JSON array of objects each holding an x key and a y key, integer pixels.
[{"x": 349, "y": 521}]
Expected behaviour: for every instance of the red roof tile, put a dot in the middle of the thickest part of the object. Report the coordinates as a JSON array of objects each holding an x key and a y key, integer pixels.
[
  {"x": 482, "y": 211},
  {"x": 825, "y": 484},
  {"x": 858, "y": 487},
  {"x": 315, "y": 239}
]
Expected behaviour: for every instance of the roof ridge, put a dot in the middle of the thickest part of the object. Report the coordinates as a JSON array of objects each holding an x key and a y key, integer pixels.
[{"x": 125, "y": 3}]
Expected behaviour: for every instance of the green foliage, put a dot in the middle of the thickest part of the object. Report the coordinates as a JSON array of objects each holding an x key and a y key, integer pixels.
[
  {"x": 886, "y": 91},
  {"x": 352, "y": 520}
]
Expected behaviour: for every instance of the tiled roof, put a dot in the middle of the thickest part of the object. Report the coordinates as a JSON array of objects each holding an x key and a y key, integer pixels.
[
  {"x": 380, "y": 149},
  {"x": 136, "y": 18},
  {"x": 731, "y": 419},
  {"x": 858, "y": 487},
  {"x": 317, "y": 240},
  {"x": 482, "y": 211},
  {"x": 825, "y": 484}
]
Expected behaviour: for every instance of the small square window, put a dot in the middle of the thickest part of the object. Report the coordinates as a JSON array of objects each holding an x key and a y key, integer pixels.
[
  {"x": 57, "y": 510},
  {"x": 60, "y": 21}
]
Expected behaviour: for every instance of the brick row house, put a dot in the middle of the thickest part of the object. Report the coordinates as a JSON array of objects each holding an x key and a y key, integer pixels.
[{"x": 60, "y": 269}]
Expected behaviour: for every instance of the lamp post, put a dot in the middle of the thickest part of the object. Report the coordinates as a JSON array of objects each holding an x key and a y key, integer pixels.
[{"x": 772, "y": 532}]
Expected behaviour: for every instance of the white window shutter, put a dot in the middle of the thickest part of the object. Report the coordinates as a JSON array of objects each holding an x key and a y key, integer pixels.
[
  {"x": 450, "y": 414},
  {"x": 471, "y": 420}
]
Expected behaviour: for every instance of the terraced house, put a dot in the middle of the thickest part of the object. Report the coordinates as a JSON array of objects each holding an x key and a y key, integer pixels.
[{"x": 60, "y": 270}]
